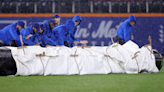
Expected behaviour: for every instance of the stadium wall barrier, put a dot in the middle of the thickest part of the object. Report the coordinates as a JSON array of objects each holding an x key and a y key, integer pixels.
[{"x": 98, "y": 28}]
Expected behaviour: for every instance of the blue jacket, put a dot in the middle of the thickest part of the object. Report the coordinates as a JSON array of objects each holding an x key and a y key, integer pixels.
[
  {"x": 65, "y": 32},
  {"x": 48, "y": 31},
  {"x": 44, "y": 39},
  {"x": 9, "y": 33},
  {"x": 72, "y": 32},
  {"x": 60, "y": 24},
  {"x": 32, "y": 40},
  {"x": 59, "y": 32},
  {"x": 125, "y": 29},
  {"x": 58, "y": 35}
]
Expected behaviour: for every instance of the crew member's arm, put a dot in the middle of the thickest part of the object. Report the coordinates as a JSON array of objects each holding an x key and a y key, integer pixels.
[
  {"x": 15, "y": 36},
  {"x": 28, "y": 41},
  {"x": 28, "y": 38},
  {"x": 72, "y": 36},
  {"x": 48, "y": 40},
  {"x": 36, "y": 41},
  {"x": 127, "y": 36},
  {"x": 132, "y": 37}
]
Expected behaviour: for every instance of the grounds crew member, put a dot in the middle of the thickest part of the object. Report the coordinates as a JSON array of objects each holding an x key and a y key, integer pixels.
[
  {"x": 57, "y": 19},
  {"x": 10, "y": 34},
  {"x": 124, "y": 33},
  {"x": 66, "y": 32}
]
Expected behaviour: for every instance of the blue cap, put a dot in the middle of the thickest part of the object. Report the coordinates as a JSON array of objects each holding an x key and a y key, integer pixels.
[
  {"x": 36, "y": 25},
  {"x": 21, "y": 23},
  {"x": 42, "y": 26},
  {"x": 56, "y": 16},
  {"x": 30, "y": 24}
]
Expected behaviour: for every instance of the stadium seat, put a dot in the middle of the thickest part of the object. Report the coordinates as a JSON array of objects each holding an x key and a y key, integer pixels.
[
  {"x": 44, "y": 7},
  {"x": 8, "y": 7},
  {"x": 26, "y": 7},
  {"x": 100, "y": 7},
  {"x": 154, "y": 6},
  {"x": 134, "y": 7},
  {"x": 63, "y": 7},
  {"x": 142, "y": 8},
  {"x": 82, "y": 7},
  {"x": 123, "y": 7},
  {"x": 115, "y": 6},
  {"x": 127, "y": 0},
  {"x": 105, "y": 7},
  {"x": 119, "y": 7},
  {"x": 162, "y": 7}
]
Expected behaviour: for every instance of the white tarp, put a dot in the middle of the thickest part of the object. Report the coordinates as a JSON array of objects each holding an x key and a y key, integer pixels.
[{"x": 127, "y": 58}]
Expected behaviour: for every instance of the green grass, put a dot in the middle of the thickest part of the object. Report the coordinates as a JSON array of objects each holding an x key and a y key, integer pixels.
[{"x": 148, "y": 82}]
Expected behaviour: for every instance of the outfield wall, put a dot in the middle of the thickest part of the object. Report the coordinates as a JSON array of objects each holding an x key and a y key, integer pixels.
[{"x": 99, "y": 28}]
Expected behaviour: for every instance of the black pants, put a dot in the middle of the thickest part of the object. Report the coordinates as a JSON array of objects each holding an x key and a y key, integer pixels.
[
  {"x": 120, "y": 40},
  {"x": 7, "y": 63},
  {"x": 13, "y": 44},
  {"x": 66, "y": 43}
]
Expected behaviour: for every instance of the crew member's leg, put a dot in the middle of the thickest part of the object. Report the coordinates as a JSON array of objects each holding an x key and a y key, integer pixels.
[
  {"x": 120, "y": 40},
  {"x": 13, "y": 43},
  {"x": 66, "y": 43}
]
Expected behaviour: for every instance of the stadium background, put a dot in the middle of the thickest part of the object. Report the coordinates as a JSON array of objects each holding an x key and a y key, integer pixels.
[{"x": 101, "y": 18}]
